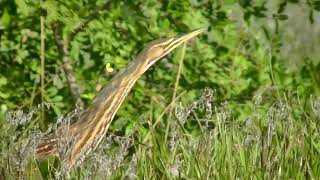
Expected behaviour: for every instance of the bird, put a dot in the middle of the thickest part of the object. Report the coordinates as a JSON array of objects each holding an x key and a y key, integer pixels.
[{"x": 84, "y": 135}]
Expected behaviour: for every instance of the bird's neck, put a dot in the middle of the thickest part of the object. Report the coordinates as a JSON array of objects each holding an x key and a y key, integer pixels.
[
  {"x": 119, "y": 86},
  {"x": 107, "y": 102},
  {"x": 95, "y": 121}
]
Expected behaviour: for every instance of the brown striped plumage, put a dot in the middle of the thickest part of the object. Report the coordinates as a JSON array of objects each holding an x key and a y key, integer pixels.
[{"x": 84, "y": 135}]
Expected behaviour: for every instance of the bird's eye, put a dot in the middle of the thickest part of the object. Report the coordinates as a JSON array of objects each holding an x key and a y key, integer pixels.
[{"x": 166, "y": 44}]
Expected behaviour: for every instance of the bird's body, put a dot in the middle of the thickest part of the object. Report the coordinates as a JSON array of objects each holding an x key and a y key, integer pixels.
[{"x": 84, "y": 135}]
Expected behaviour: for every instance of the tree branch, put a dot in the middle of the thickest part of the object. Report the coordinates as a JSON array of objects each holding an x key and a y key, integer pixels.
[
  {"x": 63, "y": 45},
  {"x": 57, "y": 33},
  {"x": 63, "y": 48}
]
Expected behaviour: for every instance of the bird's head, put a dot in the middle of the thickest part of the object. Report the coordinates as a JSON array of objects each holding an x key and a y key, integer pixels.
[{"x": 157, "y": 49}]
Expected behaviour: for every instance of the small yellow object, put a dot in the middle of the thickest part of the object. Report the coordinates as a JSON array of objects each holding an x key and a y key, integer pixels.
[{"x": 109, "y": 68}]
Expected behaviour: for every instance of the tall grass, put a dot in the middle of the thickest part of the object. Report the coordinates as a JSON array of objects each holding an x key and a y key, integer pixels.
[{"x": 207, "y": 140}]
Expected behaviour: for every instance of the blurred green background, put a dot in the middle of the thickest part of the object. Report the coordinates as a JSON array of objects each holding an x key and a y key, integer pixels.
[{"x": 253, "y": 54}]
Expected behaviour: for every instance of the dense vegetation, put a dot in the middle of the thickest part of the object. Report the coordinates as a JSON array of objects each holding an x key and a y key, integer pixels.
[{"x": 246, "y": 103}]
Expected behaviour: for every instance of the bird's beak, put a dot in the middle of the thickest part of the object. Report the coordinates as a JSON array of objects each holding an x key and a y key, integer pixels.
[{"x": 175, "y": 42}]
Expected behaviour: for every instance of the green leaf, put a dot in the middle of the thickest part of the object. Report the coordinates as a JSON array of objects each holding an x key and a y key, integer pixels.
[
  {"x": 88, "y": 96},
  {"x": 4, "y": 95},
  {"x": 52, "y": 91},
  {"x": 3, "y": 81},
  {"x": 57, "y": 98},
  {"x": 22, "y": 7},
  {"x": 5, "y": 18},
  {"x": 52, "y": 10},
  {"x": 75, "y": 51}
]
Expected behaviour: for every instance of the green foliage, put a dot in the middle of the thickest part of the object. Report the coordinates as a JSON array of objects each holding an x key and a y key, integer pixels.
[{"x": 257, "y": 55}]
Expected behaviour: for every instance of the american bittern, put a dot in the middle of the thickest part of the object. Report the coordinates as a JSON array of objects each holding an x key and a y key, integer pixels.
[{"x": 85, "y": 134}]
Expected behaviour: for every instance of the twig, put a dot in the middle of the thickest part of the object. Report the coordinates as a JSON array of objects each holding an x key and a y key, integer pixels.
[
  {"x": 173, "y": 100},
  {"x": 34, "y": 92},
  {"x": 57, "y": 33},
  {"x": 70, "y": 75},
  {"x": 42, "y": 54},
  {"x": 63, "y": 48},
  {"x": 272, "y": 74},
  {"x": 183, "y": 51}
]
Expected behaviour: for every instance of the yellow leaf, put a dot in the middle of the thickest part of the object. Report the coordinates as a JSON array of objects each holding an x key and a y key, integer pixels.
[{"x": 109, "y": 68}]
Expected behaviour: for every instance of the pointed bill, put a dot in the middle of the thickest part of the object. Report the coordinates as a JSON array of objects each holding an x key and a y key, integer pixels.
[{"x": 183, "y": 38}]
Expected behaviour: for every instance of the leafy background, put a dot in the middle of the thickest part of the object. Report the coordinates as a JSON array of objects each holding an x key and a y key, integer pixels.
[{"x": 258, "y": 56}]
